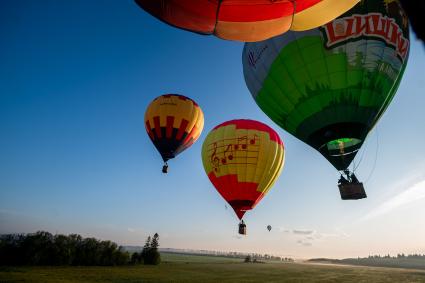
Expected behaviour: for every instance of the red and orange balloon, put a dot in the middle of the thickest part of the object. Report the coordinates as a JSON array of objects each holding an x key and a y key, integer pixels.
[{"x": 246, "y": 20}]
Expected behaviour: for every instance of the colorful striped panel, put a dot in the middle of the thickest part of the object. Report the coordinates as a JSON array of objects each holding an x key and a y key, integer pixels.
[
  {"x": 245, "y": 20},
  {"x": 253, "y": 31},
  {"x": 170, "y": 146}
]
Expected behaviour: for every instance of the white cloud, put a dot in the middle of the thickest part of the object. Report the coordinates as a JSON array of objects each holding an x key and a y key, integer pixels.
[
  {"x": 412, "y": 194},
  {"x": 282, "y": 229},
  {"x": 306, "y": 237},
  {"x": 303, "y": 232},
  {"x": 304, "y": 243}
]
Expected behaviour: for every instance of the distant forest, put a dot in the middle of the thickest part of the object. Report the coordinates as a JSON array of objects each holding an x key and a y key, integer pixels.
[
  {"x": 43, "y": 248},
  {"x": 413, "y": 261},
  {"x": 251, "y": 256}
]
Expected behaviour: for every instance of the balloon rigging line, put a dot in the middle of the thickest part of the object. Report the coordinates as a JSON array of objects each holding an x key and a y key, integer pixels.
[
  {"x": 216, "y": 16},
  {"x": 294, "y": 4},
  {"x": 355, "y": 166},
  {"x": 376, "y": 156}
]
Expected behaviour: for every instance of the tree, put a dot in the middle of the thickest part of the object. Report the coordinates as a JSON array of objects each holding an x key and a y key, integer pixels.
[
  {"x": 155, "y": 241},
  {"x": 150, "y": 251},
  {"x": 248, "y": 258},
  {"x": 146, "y": 248},
  {"x": 62, "y": 250},
  {"x": 135, "y": 257},
  {"x": 120, "y": 256}
]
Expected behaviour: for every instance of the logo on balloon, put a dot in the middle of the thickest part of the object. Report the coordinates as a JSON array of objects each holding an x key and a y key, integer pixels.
[
  {"x": 373, "y": 25},
  {"x": 253, "y": 57}
]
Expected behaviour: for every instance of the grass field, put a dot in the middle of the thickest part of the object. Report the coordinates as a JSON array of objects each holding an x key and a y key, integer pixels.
[{"x": 191, "y": 268}]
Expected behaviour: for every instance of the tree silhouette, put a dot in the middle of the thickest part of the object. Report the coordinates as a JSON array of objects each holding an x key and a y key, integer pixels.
[
  {"x": 150, "y": 251},
  {"x": 146, "y": 248},
  {"x": 155, "y": 241}
]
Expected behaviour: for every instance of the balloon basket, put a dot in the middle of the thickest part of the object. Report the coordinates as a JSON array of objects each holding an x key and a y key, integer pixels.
[
  {"x": 242, "y": 228},
  {"x": 165, "y": 169},
  {"x": 352, "y": 191}
]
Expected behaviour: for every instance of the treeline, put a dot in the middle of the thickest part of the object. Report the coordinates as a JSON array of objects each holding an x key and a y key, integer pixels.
[
  {"x": 43, "y": 248},
  {"x": 255, "y": 256},
  {"x": 409, "y": 256},
  {"x": 260, "y": 259},
  {"x": 241, "y": 255},
  {"x": 416, "y": 261}
]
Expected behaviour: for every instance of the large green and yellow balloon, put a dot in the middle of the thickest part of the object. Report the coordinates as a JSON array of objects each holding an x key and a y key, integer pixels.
[{"x": 330, "y": 85}]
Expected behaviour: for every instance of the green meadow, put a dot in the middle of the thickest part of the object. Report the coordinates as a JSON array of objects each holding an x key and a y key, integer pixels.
[{"x": 193, "y": 268}]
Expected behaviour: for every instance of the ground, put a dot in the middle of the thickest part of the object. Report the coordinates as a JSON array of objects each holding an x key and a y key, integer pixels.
[{"x": 187, "y": 268}]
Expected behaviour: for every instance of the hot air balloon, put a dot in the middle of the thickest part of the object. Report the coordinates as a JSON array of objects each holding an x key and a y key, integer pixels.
[
  {"x": 269, "y": 227},
  {"x": 330, "y": 85},
  {"x": 173, "y": 122},
  {"x": 415, "y": 11},
  {"x": 242, "y": 159},
  {"x": 245, "y": 20}
]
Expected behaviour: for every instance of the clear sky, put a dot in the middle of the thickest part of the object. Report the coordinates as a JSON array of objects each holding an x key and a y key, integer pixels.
[{"x": 75, "y": 80}]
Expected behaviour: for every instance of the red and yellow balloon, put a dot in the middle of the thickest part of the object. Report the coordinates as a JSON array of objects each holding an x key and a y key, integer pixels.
[
  {"x": 246, "y": 20},
  {"x": 173, "y": 122},
  {"x": 242, "y": 159}
]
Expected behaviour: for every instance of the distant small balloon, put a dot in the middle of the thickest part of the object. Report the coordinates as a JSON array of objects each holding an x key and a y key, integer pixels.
[{"x": 269, "y": 228}]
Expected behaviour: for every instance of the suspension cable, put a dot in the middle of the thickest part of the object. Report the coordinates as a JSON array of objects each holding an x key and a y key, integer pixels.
[{"x": 376, "y": 156}]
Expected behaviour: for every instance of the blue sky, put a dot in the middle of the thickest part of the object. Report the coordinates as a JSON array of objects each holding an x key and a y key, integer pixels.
[{"x": 75, "y": 80}]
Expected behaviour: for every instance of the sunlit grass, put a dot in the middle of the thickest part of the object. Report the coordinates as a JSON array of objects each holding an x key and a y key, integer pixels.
[{"x": 188, "y": 268}]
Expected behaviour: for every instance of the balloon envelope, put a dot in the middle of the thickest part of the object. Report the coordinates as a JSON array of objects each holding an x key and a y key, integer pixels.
[
  {"x": 173, "y": 122},
  {"x": 245, "y": 20},
  {"x": 242, "y": 159},
  {"x": 329, "y": 86},
  {"x": 416, "y": 11}
]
